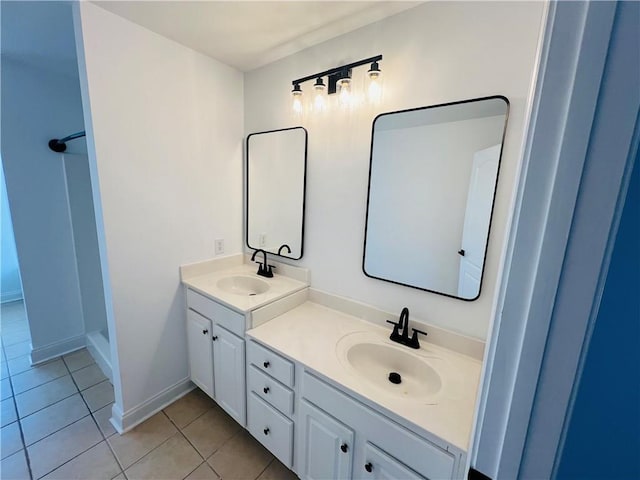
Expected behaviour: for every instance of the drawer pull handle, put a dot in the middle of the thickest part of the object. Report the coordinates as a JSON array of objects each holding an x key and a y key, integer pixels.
[
  {"x": 368, "y": 467},
  {"x": 344, "y": 447},
  {"x": 214, "y": 338},
  {"x": 265, "y": 389},
  {"x": 266, "y": 364},
  {"x": 205, "y": 331},
  {"x": 266, "y": 431}
]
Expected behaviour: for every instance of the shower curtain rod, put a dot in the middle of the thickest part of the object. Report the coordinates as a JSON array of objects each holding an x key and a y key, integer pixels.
[{"x": 59, "y": 145}]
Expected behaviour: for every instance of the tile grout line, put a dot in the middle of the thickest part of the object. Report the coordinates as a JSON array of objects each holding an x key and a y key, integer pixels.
[
  {"x": 204, "y": 460},
  {"x": 67, "y": 461},
  {"x": 31, "y": 367},
  {"x": 51, "y": 404},
  {"x": 15, "y": 406},
  {"x": 239, "y": 432},
  {"x": 265, "y": 468},
  {"x": 199, "y": 465},
  {"x": 44, "y": 383},
  {"x": 161, "y": 444},
  {"x": 203, "y": 413},
  {"x": 182, "y": 433},
  {"x": 24, "y": 446},
  {"x": 90, "y": 414}
]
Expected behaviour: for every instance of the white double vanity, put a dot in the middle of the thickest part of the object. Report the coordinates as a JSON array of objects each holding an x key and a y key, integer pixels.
[{"x": 307, "y": 374}]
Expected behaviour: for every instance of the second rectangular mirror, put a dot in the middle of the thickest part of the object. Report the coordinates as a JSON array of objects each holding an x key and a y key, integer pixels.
[
  {"x": 276, "y": 177},
  {"x": 432, "y": 183}
]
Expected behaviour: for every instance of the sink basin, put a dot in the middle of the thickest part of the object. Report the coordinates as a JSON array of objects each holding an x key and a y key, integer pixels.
[
  {"x": 373, "y": 359},
  {"x": 243, "y": 285}
]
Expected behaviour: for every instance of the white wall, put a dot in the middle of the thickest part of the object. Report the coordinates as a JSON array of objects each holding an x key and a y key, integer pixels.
[
  {"x": 39, "y": 104},
  {"x": 435, "y": 53},
  {"x": 83, "y": 222},
  {"x": 164, "y": 129}
]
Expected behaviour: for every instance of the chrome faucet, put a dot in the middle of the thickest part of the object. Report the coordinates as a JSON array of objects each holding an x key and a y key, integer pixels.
[
  {"x": 403, "y": 324},
  {"x": 264, "y": 270}
]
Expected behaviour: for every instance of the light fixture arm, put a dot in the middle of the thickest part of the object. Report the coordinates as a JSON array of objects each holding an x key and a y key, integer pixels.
[{"x": 337, "y": 71}]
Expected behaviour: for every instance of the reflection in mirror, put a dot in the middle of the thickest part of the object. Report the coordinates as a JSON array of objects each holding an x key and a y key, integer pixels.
[
  {"x": 432, "y": 182},
  {"x": 276, "y": 169}
]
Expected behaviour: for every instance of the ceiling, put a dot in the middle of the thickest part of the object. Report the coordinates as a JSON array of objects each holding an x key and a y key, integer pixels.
[
  {"x": 39, "y": 34},
  {"x": 249, "y": 34}
]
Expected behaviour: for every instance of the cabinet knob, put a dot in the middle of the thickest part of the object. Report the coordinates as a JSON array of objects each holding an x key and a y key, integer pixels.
[
  {"x": 368, "y": 467},
  {"x": 266, "y": 431},
  {"x": 214, "y": 338},
  {"x": 266, "y": 364},
  {"x": 205, "y": 331},
  {"x": 265, "y": 389},
  {"x": 344, "y": 447}
]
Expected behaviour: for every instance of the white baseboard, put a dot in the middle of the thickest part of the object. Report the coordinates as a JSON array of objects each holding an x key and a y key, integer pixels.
[
  {"x": 99, "y": 349},
  {"x": 11, "y": 296},
  {"x": 53, "y": 350},
  {"x": 125, "y": 421}
]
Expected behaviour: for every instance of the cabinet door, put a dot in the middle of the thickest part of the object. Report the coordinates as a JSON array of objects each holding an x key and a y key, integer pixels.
[
  {"x": 379, "y": 465},
  {"x": 229, "y": 374},
  {"x": 328, "y": 445},
  {"x": 200, "y": 351}
]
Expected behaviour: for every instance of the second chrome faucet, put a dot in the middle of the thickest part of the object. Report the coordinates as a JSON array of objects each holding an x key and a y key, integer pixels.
[{"x": 403, "y": 337}]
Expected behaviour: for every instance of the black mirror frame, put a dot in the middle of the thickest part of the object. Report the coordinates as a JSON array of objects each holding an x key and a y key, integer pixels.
[
  {"x": 493, "y": 202},
  {"x": 304, "y": 189}
]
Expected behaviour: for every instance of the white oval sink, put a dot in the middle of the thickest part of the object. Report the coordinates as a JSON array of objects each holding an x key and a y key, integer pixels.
[
  {"x": 243, "y": 285},
  {"x": 373, "y": 359}
]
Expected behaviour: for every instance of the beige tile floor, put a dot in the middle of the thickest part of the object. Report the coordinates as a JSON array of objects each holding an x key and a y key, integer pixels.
[{"x": 55, "y": 425}]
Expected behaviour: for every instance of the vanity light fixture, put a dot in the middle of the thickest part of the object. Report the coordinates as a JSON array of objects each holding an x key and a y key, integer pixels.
[
  {"x": 319, "y": 89},
  {"x": 345, "y": 91},
  {"x": 375, "y": 83},
  {"x": 338, "y": 81},
  {"x": 296, "y": 93}
]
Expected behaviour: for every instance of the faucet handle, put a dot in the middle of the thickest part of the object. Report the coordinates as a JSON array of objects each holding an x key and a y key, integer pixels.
[
  {"x": 268, "y": 270},
  {"x": 395, "y": 335},
  {"x": 414, "y": 343}
]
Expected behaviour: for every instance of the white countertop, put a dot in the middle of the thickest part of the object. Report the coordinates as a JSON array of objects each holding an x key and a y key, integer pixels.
[
  {"x": 310, "y": 334},
  {"x": 207, "y": 284}
]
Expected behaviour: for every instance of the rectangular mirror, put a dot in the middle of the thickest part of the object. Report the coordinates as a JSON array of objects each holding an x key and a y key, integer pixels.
[
  {"x": 276, "y": 178},
  {"x": 432, "y": 181}
]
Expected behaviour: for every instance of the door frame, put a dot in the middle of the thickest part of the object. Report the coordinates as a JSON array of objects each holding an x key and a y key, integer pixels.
[{"x": 545, "y": 301}]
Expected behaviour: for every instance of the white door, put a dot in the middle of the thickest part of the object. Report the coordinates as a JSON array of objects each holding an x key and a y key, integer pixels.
[
  {"x": 229, "y": 374},
  {"x": 476, "y": 220},
  {"x": 200, "y": 351},
  {"x": 328, "y": 445}
]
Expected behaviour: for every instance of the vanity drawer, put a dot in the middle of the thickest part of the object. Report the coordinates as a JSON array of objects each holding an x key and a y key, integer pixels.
[
  {"x": 232, "y": 321},
  {"x": 270, "y": 362},
  {"x": 271, "y": 428},
  {"x": 270, "y": 390}
]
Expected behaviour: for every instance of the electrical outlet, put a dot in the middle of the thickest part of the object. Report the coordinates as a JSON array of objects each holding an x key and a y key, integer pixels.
[
  {"x": 262, "y": 239},
  {"x": 219, "y": 246}
]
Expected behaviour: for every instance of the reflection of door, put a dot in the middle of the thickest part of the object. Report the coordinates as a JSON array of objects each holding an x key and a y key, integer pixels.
[{"x": 476, "y": 220}]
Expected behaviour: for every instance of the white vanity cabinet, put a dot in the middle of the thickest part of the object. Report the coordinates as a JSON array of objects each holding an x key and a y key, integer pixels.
[
  {"x": 217, "y": 353},
  {"x": 228, "y": 372},
  {"x": 383, "y": 449},
  {"x": 200, "y": 351},
  {"x": 322, "y": 431},
  {"x": 270, "y": 401},
  {"x": 380, "y": 466},
  {"x": 327, "y": 445},
  {"x": 346, "y": 424}
]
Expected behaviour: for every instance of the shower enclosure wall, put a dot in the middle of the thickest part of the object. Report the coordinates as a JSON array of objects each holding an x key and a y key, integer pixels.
[{"x": 85, "y": 236}]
